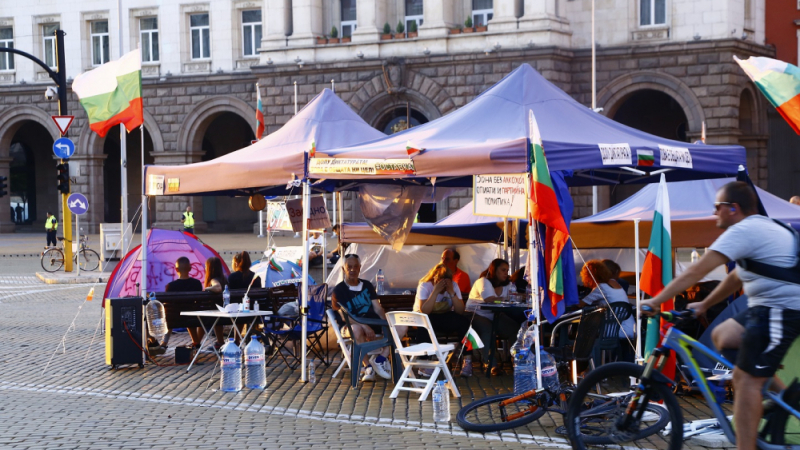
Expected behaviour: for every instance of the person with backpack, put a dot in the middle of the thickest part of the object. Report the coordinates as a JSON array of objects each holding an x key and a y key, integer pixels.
[{"x": 51, "y": 227}]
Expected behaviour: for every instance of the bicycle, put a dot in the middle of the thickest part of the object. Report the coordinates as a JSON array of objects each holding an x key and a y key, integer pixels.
[
  {"x": 52, "y": 258},
  {"x": 587, "y": 425}
]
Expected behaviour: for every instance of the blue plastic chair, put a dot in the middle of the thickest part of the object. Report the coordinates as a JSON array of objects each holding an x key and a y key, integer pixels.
[{"x": 284, "y": 329}]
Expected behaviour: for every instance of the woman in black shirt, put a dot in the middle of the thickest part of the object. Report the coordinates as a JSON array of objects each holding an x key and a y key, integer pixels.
[{"x": 241, "y": 276}]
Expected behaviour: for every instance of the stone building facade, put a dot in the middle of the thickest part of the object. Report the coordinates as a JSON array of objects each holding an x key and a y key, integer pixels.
[{"x": 665, "y": 78}]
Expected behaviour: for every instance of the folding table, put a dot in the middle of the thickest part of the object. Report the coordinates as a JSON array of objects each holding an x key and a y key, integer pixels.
[{"x": 222, "y": 315}]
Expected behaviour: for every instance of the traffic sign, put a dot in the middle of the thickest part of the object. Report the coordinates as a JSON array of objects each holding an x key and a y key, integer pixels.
[
  {"x": 77, "y": 203},
  {"x": 63, "y": 148},
  {"x": 63, "y": 123}
]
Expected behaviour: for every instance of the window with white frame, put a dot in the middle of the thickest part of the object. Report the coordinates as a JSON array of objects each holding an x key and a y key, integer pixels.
[
  {"x": 99, "y": 37},
  {"x": 349, "y": 22},
  {"x": 148, "y": 30},
  {"x": 413, "y": 13},
  {"x": 49, "y": 43},
  {"x": 652, "y": 12},
  {"x": 201, "y": 36},
  {"x": 482, "y": 12},
  {"x": 251, "y": 32},
  {"x": 7, "y": 41}
]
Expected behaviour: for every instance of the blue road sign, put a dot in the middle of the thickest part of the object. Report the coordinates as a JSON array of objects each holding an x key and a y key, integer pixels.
[
  {"x": 63, "y": 148},
  {"x": 77, "y": 203}
]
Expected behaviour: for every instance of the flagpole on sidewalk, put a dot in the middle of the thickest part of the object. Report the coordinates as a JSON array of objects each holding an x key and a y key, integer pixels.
[
  {"x": 638, "y": 294},
  {"x": 533, "y": 257}
]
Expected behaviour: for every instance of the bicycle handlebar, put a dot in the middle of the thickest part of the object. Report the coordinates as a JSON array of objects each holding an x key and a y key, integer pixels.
[{"x": 670, "y": 316}]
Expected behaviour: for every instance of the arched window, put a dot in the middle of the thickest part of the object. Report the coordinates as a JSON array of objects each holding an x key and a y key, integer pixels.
[{"x": 348, "y": 24}]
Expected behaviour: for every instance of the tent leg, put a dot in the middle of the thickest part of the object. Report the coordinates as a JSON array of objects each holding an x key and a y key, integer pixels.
[
  {"x": 304, "y": 285},
  {"x": 638, "y": 295}
]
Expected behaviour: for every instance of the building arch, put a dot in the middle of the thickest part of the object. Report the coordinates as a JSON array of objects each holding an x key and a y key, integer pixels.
[
  {"x": 13, "y": 118},
  {"x": 752, "y": 111},
  {"x": 615, "y": 93},
  {"x": 195, "y": 125}
]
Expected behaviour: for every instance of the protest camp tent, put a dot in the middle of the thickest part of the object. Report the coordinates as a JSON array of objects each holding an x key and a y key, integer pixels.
[
  {"x": 490, "y": 135},
  {"x": 691, "y": 208},
  {"x": 268, "y": 165}
]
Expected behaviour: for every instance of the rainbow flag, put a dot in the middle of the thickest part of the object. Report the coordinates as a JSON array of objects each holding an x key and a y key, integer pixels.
[
  {"x": 471, "y": 340},
  {"x": 259, "y": 115},
  {"x": 112, "y": 94},
  {"x": 657, "y": 269},
  {"x": 779, "y": 82},
  {"x": 544, "y": 208}
]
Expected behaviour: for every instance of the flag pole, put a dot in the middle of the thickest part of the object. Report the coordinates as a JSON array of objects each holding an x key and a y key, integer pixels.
[
  {"x": 260, "y": 211},
  {"x": 123, "y": 156},
  {"x": 638, "y": 295},
  {"x": 533, "y": 257}
]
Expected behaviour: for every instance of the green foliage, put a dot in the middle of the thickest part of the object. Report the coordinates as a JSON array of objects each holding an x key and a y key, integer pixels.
[
  {"x": 468, "y": 22},
  {"x": 400, "y": 27},
  {"x": 334, "y": 33},
  {"x": 413, "y": 27},
  {"x": 387, "y": 29}
]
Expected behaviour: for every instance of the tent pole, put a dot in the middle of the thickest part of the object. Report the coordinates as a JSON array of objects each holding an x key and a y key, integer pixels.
[
  {"x": 594, "y": 99},
  {"x": 261, "y": 223},
  {"x": 305, "y": 238},
  {"x": 144, "y": 234},
  {"x": 638, "y": 295},
  {"x": 304, "y": 285},
  {"x": 515, "y": 246},
  {"x": 533, "y": 257},
  {"x": 505, "y": 238}
]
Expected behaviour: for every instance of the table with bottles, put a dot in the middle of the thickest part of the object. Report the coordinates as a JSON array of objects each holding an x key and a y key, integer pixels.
[{"x": 217, "y": 315}]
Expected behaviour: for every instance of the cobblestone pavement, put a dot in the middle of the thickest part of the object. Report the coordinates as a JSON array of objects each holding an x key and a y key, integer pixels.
[{"x": 58, "y": 393}]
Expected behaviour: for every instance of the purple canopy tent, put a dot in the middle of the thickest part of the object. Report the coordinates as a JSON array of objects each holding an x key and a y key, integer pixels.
[{"x": 164, "y": 248}]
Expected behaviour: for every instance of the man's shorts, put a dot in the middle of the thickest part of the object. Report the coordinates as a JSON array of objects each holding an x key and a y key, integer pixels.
[{"x": 769, "y": 332}]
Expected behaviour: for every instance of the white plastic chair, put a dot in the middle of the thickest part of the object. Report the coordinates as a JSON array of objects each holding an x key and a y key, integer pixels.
[
  {"x": 409, "y": 356},
  {"x": 344, "y": 343}
]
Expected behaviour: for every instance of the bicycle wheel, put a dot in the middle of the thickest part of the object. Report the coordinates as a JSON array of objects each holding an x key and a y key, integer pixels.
[
  {"x": 600, "y": 401},
  {"x": 784, "y": 428},
  {"x": 52, "y": 260},
  {"x": 487, "y": 414},
  {"x": 89, "y": 260}
]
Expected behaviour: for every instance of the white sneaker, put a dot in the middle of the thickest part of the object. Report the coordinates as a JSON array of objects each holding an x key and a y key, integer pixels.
[
  {"x": 369, "y": 375},
  {"x": 384, "y": 369}
]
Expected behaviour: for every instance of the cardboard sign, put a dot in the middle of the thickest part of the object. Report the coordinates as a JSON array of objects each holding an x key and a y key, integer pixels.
[
  {"x": 356, "y": 166},
  {"x": 675, "y": 157},
  {"x": 155, "y": 185},
  {"x": 616, "y": 154},
  {"x": 502, "y": 195},
  {"x": 277, "y": 217},
  {"x": 318, "y": 216}
]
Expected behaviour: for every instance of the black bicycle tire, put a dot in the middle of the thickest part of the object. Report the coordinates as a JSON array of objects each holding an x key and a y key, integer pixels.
[
  {"x": 777, "y": 425},
  {"x": 83, "y": 256},
  {"x": 464, "y": 423},
  {"x": 670, "y": 402},
  {"x": 45, "y": 258}
]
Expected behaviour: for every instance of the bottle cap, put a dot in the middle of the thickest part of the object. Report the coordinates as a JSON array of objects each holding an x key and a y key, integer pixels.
[{"x": 230, "y": 339}]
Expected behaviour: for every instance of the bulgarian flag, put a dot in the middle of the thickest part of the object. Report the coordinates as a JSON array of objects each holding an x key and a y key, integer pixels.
[
  {"x": 274, "y": 265},
  {"x": 471, "y": 341},
  {"x": 259, "y": 115},
  {"x": 112, "y": 94},
  {"x": 779, "y": 82},
  {"x": 412, "y": 149},
  {"x": 657, "y": 269},
  {"x": 544, "y": 208}
]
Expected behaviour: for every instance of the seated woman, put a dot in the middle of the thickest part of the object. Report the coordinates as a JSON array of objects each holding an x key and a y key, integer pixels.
[
  {"x": 605, "y": 291},
  {"x": 215, "y": 282},
  {"x": 242, "y": 276},
  {"x": 493, "y": 284},
  {"x": 361, "y": 300},
  {"x": 439, "y": 297}
]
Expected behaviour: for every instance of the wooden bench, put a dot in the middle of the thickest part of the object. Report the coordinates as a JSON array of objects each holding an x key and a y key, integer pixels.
[
  {"x": 401, "y": 302},
  {"x": 177, "y": 302}
]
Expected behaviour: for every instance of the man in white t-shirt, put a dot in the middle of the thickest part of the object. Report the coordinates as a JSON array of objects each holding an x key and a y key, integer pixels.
[
  {"x": 315, "y": 244},
  {"x": 767, "y": 328}
]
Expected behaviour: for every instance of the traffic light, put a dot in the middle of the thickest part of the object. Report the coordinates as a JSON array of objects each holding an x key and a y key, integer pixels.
[
  {"x": 3, "y": 186},
  {"x": 63, "y": 178}
]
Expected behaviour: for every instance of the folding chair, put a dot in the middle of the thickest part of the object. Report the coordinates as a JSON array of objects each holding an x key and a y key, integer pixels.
[
  {"x": 589, "y": 324},
  {"x": 409, "y": 356},
  {"x": 315, "y": 329},
  {"x": 609, "y": 340}
]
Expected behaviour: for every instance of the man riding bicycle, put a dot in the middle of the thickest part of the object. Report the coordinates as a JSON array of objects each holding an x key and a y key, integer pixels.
[{"x": 764, "y": 332}]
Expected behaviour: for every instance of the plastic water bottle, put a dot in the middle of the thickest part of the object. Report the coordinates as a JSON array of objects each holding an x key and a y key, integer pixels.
[
  {"x": 549, "y": 371},
  {"x": 312, "y": 372},
  {"x": 231, "y": 373},
  {"x": 245, "y": 303},
  {"x": 255, "y": 376},
  {"x": 695, "y": 255},
  {"x": 523, "y": 362},
  {"x": 156, "y": 318},
  {"x": 380, "y": 280},
  {"x": 441, "y": 403},
  {"x": 226, "y": 297}
]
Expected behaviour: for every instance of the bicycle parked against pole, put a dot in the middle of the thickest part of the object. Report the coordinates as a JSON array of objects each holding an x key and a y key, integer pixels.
[
  {"x": 87, "y": 259},
  {"x": 641, "y": 385}
]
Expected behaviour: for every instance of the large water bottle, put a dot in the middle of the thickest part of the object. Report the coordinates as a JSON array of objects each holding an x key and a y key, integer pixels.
[
  {"x": 312, "y": 372},
  {"x": 231, "y": 373},
  {"x": 380, "y": 280},
  {"x": 156, "y": 318},
  {"x": 549, "y": 371},
  {"x": 226, "y": 296},
  {"x": 255, "y": 376},
  {"x": 521, "y": 356},
  {"x": 441, "y": 403}
]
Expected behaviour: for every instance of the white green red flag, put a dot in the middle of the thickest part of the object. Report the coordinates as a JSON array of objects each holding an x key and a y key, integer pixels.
[
  {"x": 274, "y": 265},
  {"x": 259, "y": 115},
  {"x": 779, "y": 82},
  {"x": 544, "y": 209},
  {"x": 657, "y": 269},
  {"x": 112, "y": 94},
  {"x": 471, "y": 341}
]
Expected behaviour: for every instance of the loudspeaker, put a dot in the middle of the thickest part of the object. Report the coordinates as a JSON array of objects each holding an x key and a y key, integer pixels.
[{"x": 124, "y": 331}]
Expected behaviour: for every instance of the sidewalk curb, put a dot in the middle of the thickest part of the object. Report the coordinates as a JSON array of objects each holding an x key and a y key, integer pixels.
[{"x": 63, "y": 278}]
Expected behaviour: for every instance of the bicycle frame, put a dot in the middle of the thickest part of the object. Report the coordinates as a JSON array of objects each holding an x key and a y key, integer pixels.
[{"x": 683, "y": 346}]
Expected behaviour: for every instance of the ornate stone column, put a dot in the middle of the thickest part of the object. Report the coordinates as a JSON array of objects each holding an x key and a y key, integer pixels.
[
  {"x": 371, "y": 15},
  {"x": 7, "y": 225},
  {"x": 306, "y": 22},
  {"x": 169, "y": 208},
  {"x": 277, "y": 24},
  {"x": 440, "y": 16},
  {"x": 505, "y": 15},
  {"x": 542, "y": 15}
]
